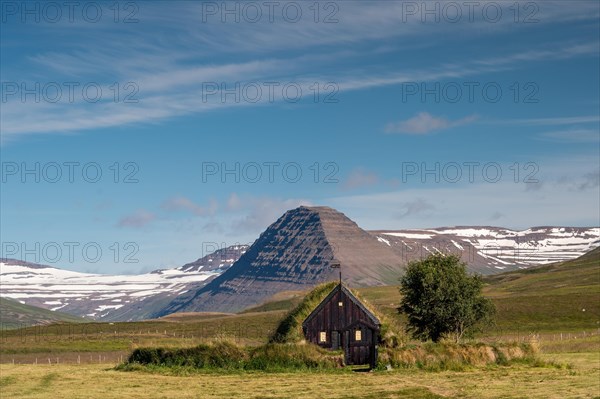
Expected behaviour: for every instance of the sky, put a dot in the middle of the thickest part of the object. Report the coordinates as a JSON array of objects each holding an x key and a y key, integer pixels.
[{"x": 138, "y": 135}]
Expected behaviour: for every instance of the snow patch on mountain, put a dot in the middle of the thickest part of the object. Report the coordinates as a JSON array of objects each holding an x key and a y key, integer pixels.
[{"x": 504, "y": 247}]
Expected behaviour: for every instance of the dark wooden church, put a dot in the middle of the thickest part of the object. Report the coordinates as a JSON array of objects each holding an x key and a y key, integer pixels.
[{"x": 341, "y": 321}]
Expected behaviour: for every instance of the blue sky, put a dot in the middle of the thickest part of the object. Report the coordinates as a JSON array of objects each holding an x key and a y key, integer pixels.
[{"x": 500, "y": 103}]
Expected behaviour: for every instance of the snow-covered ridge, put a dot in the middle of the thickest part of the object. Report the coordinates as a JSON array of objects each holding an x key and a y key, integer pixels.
[
  {"x": 502, "y": 247},
  {"x": 101, "y": 296},
  {"x": 66, "y": 290}
]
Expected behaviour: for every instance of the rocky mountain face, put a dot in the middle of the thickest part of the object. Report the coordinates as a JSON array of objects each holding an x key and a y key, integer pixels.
[
  {"x": 295, "y": 253},
  {"x": 217, "y": 261},
  {"x": 106, "y": 297}
]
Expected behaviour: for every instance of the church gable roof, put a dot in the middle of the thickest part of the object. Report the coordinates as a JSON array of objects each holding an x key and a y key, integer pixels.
[{"x": 351, "y": 296}]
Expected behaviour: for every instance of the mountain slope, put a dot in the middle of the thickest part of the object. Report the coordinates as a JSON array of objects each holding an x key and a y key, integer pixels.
[
  {"x": 489, "y": 250},
  {"x": 16, "y": 315},
  {"x": 295, "y": 253},
  {"x": 108, "y": 297},
  {"x": 575, "y": 276},
  {"x": 561, "y": 297}
]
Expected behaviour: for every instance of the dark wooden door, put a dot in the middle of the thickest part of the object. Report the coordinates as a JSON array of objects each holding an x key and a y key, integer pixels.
[{"x": 335, "y": 340}]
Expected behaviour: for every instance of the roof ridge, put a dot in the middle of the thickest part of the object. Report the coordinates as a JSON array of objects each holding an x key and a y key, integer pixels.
[{"x": 353, "y": 298}]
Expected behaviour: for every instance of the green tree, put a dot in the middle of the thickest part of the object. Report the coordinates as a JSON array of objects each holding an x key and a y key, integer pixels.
[{"x": 440, "y": 299}]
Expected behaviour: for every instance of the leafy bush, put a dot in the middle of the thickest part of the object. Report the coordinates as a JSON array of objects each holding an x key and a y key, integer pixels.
[{"x": 441, "y": 299}]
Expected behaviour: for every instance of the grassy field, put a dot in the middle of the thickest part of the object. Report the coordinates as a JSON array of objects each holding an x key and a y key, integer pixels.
[
  {"x": 90, "y": 381},
  {"x": 557, "y": 305},
  {"x": 548, "y": 301}
]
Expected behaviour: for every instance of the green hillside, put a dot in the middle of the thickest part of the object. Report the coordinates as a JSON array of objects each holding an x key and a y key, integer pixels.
[
  {"x": 559, "y": 297},
  {"x": 581, "y": 275},
  {"x": 15, "y": 315}
]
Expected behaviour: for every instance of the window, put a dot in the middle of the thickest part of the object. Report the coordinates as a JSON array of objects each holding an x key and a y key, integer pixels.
[
  {"x": 322, "y": 336},
  {"x": 358, "y": 335},
  {"x": 340, "y": 304}
]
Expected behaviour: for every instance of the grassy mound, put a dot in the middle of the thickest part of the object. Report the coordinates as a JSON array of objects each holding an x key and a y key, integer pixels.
[
  {"x": 290, "y": 328},
  {"x": 451, "y": 356},
  {"x": 228, "y": 356},
  {"x": 222, "y": 355},
  {"x": 278, "y": 357}
]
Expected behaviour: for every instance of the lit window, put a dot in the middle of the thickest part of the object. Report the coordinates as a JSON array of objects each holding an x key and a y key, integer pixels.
[
  {"x": 322, "y": 336},
  {"x": 340, "y": 304},
  {"x": 358, "y": 335}
]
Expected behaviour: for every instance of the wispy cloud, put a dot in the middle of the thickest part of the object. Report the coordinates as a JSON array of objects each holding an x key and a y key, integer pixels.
[
  {"x": 497, "y": 216},
  {"x": 180, "y": 203},
  {"x": 573, "y": 135},
  {"x": 425, "y": 123},
  {"x": 471, "y": 205},
  {"x": 261, "y": 212},
  {"x": 415, "y": 207},
  {"x": 590, "y": 181},
  {"x": 170, "y": 72},
  {"x": 565, "y": 120},
  {"x": 360, "y": 178},
  {"x": 138, "y": 219}
]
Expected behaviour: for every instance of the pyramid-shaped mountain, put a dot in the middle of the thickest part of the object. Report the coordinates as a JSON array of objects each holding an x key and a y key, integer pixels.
[{"x": 295, "y": 253}]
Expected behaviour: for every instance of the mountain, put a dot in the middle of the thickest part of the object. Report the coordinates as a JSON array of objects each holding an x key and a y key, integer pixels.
[
  {"x": 295, "y": 253},
  {"x": 108, "y": 297},
  {"x": 488, "y": 250},
  {"x": 14, "y": 314}
]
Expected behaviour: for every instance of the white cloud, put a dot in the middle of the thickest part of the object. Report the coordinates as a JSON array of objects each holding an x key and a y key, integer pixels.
[{"x": 425, "y": 123}]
